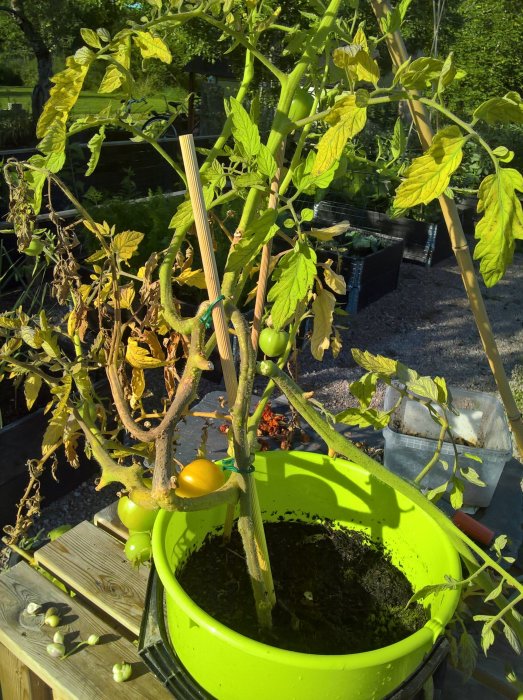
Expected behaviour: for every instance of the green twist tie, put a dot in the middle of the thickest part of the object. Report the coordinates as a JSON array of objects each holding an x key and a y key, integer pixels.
[
  {"x": 229, "y": 466},
  {"x": 206, "y": 317}
]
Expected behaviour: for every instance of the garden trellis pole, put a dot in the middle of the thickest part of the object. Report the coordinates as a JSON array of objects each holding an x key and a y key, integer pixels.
[{"x": 421, "y": 120}]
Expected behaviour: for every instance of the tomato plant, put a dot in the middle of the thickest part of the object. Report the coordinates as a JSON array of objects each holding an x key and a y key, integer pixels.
[
  {"x": 199, "y": 477},
  {"x": 35, "y": 247},
  {"x": 135, "y": 517},
  {"x": 138, "y": 547},
  {"x": 272, "y": 342}
]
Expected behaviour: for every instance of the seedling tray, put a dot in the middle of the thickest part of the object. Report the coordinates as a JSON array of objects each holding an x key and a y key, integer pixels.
[{"x": 160, "y": 657}]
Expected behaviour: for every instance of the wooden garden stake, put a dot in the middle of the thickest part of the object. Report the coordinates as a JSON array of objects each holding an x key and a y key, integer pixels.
[
  {"x": 212, "y": 279},
  {"x": 420, "y": 118}
]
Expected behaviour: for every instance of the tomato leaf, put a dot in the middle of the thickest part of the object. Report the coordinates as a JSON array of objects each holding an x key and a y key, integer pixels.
[
  {"x": 322, "y": 309},
  {"x": 152, "y": 46},
  {"x": 429, "y": 175},
  {"x": 244, "y": 130},
  {"x": 259, "y": 232},
  {"x": 501, "y": 224},
  {"x": 125, "y": 244},
  {"x": 294, "y": 279},
  {"x": 32, "y": 387},
  {"x": 95, "y": 146},
  {"x": 501, "y": 110},
  {"x": 347, "y": 119}
]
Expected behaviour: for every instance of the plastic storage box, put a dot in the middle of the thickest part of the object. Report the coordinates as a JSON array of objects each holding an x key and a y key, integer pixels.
[{"x": 411, "y": 441}]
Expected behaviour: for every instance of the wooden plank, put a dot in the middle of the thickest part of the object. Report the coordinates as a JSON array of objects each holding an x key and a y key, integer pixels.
[
  {"x": 17, "y": 682},
  {"x": 92, "y": 563},
  {"x": 86, "y": 675},
  {"x": 108, "y": 520}
]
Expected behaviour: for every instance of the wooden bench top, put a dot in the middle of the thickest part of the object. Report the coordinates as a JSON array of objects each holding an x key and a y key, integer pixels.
[{"x": 108, "y": 601}]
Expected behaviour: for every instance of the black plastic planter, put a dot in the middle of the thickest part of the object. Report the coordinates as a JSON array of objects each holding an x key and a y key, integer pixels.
[
  {"x": 423, "y": 242},
  {"x": 370, "y": 277},
  {"x": 159, "y": 656}
]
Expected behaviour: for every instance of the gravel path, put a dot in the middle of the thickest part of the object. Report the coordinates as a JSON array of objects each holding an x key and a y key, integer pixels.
[{"x": 425, "y": 323}]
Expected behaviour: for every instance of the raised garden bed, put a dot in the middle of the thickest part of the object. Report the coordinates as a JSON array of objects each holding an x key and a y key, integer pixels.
[
  {"x": 426, "y": 243},
  {"x": 369, "y": 272}
]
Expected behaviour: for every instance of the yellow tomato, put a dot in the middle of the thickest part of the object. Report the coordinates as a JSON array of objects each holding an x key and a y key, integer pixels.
[{"x": 198, "y": 478}]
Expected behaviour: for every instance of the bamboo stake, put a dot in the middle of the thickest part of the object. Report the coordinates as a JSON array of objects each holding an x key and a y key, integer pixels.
[
  {"x": 420, "y": 118},
  {"x": 263, "y": 276},
  {"x": 212, "y": 279}
]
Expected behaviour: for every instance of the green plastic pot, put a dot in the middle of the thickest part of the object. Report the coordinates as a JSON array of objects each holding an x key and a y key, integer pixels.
[{"x": 233, "y": 667}]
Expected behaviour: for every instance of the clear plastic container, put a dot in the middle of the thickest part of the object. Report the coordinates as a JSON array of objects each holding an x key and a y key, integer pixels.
[{"x": 411, "y": 441}]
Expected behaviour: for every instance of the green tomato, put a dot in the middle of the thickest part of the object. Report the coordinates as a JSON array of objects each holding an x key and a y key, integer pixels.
[
  {"x": 301, "y": 105},
  {"x": 272, "y": 342},
  {"x": 135, "y": 517},
  {"x": 138, "y": 548}
]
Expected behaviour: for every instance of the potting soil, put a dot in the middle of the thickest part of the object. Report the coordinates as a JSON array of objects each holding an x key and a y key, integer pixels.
[{"x": 337, "y": 592}]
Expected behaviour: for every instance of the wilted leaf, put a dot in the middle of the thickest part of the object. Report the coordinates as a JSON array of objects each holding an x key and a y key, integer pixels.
[
  {"x": 322, "y": 309},
  {"x": 193, "y": 278},
  {"x": 95, "y": 146},
  {"x": 429, "y": 175},
  {"x": 330, "y": 232},
  {"x": 333, "y": 280},
  {"x": 139, "y": 357}
]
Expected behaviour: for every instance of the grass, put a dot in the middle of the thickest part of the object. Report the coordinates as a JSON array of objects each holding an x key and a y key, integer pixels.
[{"x": 89, "y": 102}]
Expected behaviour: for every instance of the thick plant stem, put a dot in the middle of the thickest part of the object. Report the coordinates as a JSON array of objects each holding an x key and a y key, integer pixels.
[
  {"x": 250, "y": 523},
  {"x": 420, "y": 117},
  {"x": 340, "y": 445}
]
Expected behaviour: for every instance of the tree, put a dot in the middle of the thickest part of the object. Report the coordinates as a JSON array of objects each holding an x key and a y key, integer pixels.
[{"x": 47, "y": 27}]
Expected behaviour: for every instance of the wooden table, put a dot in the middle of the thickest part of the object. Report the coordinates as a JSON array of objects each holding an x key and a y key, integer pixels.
[{"x": 108, "y": 598}]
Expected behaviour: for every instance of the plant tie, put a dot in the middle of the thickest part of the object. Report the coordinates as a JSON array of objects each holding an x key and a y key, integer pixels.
[
  {"x": 206, "y": 317},
  {"x": 229, "y": 466}
]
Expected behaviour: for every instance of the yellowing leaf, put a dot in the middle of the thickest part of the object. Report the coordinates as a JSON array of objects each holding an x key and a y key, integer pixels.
[
  {"x": 112, "y": 80},
  {"x": 333, "y": 280},
  {"x": 323, "y": 309},
  {"x": 152, "y": 46},
  {"x": 501, "y": 224},
  {"x": 329, "y": 232},
  {"x": 32, "y": 386},
  {"x": 193, "y": 278},
  {"x": 139, "y": 357},
  {"x": 91, "y": 38},
  {"x": 347, "y": 119},
  {"x": 125, "y": 244},
  {"x": 152, "y": 341},
  {"x": 95, "y": 146},
  {"x": 356, "y": 59},
  {"x": 375, "y": 363},
  {"x": 137, "y": 385},
  {"x": 63, "y": 96},
  {"x": 429, "y": 175}
]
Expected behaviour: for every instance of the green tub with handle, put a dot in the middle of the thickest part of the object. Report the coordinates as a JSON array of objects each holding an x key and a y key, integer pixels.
[{"x": 231, "y": 666}]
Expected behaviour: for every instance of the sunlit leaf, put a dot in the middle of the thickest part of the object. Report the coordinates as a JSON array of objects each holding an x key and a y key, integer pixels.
[
  {"x": 152, "y": 46},
  {"x": 95, "y": 146},
  {"x": 501, "y": 223},
  {"x": 125, "y": 244},
  {"x": 244, "y": 130},
  {"x": 347, "y": 120},
  {"x": 429, "y": 175},
  {"x": 32, "y": 385}
]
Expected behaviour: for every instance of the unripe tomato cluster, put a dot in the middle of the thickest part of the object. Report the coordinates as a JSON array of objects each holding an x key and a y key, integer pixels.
[{"x": 196, "y": 479}]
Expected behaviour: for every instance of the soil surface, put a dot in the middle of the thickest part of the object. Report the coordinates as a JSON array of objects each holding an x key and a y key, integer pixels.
[{"x": 337, "y": 592}]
